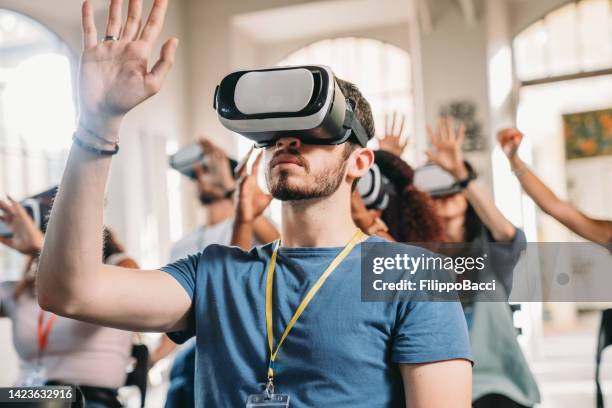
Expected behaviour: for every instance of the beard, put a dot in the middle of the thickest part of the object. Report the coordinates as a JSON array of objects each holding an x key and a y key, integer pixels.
[{"x": 325, "y": 183}]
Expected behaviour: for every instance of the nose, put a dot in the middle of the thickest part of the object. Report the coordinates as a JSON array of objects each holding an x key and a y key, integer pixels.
[{"x": 286, "y": 142}]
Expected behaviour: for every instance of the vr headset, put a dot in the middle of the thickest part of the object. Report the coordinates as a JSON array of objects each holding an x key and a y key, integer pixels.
[
  {"x": 38, "y": 208},
  {"x": 303, "y": 101},
  {"x": 432, "y": 179},
  {"x": 375, "y": 189},
  {"x": 184, "y": 160}
]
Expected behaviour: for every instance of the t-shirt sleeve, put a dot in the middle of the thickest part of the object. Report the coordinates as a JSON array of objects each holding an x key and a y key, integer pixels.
[
  {"x": 505, "y": 255},
  {"x": 430, "y": 331},
  {"x": 184, "y": 271}
]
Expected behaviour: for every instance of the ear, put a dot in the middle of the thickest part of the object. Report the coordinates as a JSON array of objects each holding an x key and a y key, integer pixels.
[{"x": 360, "y": 162}]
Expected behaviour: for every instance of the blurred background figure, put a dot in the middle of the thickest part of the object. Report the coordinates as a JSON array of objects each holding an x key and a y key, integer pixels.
[
  {"x": 501, "y": 375},
  {"x": 54, "y": 349}
]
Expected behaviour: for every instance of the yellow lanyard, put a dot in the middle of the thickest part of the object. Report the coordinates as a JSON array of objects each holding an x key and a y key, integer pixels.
[{"x": 357, "y": 238}]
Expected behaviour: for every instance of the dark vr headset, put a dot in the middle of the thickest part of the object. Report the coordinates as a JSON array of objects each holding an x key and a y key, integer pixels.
[
  {"x": 375, "y": 189},
  {"x": 432, "y": 179},
  {"x": 184, "y": 160},
  {"x": 38, "y": 208},
  {"x": 264, "y": 105}
]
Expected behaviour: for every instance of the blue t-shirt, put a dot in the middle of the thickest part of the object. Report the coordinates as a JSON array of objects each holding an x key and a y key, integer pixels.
[{"x": 342, "y": 352}]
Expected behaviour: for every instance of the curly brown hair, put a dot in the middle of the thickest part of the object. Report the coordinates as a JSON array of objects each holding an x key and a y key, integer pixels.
[{"x": 410, "y": 214}]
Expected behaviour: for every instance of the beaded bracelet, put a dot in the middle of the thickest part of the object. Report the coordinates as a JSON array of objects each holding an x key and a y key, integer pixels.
[{"x": 93, "y": 149}]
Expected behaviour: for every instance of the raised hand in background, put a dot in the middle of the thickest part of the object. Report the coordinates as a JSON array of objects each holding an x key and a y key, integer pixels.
[{"x": 393, "y": 141}]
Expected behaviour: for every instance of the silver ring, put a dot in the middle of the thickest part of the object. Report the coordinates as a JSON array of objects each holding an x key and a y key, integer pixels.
[{"x": 110, "y": 38}]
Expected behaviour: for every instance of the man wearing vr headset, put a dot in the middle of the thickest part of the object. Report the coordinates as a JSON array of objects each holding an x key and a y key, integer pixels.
[{"x": 336, "y": 350}]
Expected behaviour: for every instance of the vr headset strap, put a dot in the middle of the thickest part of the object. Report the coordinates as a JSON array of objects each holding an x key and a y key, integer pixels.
[{"x": 351, "y": 122}]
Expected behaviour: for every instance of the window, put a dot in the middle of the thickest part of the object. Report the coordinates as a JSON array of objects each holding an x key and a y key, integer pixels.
[
  {"x": 37, "y": 113},
  {"x": 572, "y": 39},
  {"x": 380, "y": 70}
]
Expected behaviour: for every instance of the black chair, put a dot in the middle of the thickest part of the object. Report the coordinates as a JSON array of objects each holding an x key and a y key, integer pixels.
[
  {"x": 138, "y": 376},
  {"x": 604, "y": 340}
]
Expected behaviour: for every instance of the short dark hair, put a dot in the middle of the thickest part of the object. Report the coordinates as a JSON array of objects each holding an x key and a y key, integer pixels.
[{"x": 363, "y": 111}]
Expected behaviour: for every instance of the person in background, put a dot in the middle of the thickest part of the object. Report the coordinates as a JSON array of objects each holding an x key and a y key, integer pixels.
[
  {"x": 215, "y": 184},
  {"x": 54, "y": 349},
  {"x": 409, "y": 216},
  {"x": 598, "y": 231},
  {"x": 501, "y": 376}
]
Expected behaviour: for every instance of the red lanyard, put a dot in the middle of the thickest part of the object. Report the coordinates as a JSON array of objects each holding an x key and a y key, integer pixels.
[{"x": 44, "y": 330}]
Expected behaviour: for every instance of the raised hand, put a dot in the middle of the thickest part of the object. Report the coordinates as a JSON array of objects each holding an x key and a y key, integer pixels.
[
  {"x": 393, "y": 141},
  {"x": 251, "y": 199},
  {"x": 114, "y": 76},
  {"x": 510, "y": 139},
  {"x": 27, "y": 238},
  {"x": 219, "y": 166},
  {"x": 446, "y": 144}
]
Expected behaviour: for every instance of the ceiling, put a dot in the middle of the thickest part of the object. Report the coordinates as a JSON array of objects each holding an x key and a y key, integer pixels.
[{"x": 320, "y": 17}]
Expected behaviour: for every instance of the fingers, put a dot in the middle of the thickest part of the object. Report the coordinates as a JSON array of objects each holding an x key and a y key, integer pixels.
[
  {"x": 393, "y": 122},
  {"x": 90, "y": 35},
  {"x": 198, "y": 169},
  {"x": 450, "y": 129},
  {"x": 154, "y": 25},
  {"x": 386, "y": 124},
  {"x": 461, "y": 135},
  {"x": 242, "y": 166},
  {"x": 256, "y": 163},
  {"x": 133, "y": 21},
  {"x": 160, "y": 70},
  {"x": 7, "y": 208},
  {"x": 433, "y": 139},
  {"x": 401, "y": 128},
  {"x": 113, "y": 27},
  {"x": 442, "y": 133},
  {"x": 18, "y": 209}
]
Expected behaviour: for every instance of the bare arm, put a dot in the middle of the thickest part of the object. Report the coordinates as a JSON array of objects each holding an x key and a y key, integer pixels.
[
  {"x": 72, "y": 281},
  {"x": 599, "y": 231},
  {"x": 440, "y": 384},
  {"x": 447, "y": 154}
]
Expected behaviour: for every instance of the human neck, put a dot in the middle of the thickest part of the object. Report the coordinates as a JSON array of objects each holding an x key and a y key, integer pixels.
[
  {"x": 325, "y": 222},
  {"x": 455, "y": 228},
  {"x": 219, "y": 211}
]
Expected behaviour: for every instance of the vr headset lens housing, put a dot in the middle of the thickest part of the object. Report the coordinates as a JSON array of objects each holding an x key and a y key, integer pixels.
[
  {"x": 306, "y": 102},
  {"x": 375, "y": 189},
  {"x": 437, "y": 182},
  {"x": 184, "y": 160}
]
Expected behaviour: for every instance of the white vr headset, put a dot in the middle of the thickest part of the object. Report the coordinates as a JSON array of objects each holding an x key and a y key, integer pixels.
[
  {"x": 375, "y": 189},
  {"x": 264, "y": 105},
  {"x": 434, "y": 180}
]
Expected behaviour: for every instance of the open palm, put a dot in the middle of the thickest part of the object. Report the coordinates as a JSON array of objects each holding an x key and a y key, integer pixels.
[
  {"x": 446, "y": 142},
  {"x": 114, "y": 75}
]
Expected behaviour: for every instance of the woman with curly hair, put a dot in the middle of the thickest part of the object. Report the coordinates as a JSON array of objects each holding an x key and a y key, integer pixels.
[
  {"x": 406, "y": 214},
  {"x": 472, "y": 222}
]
